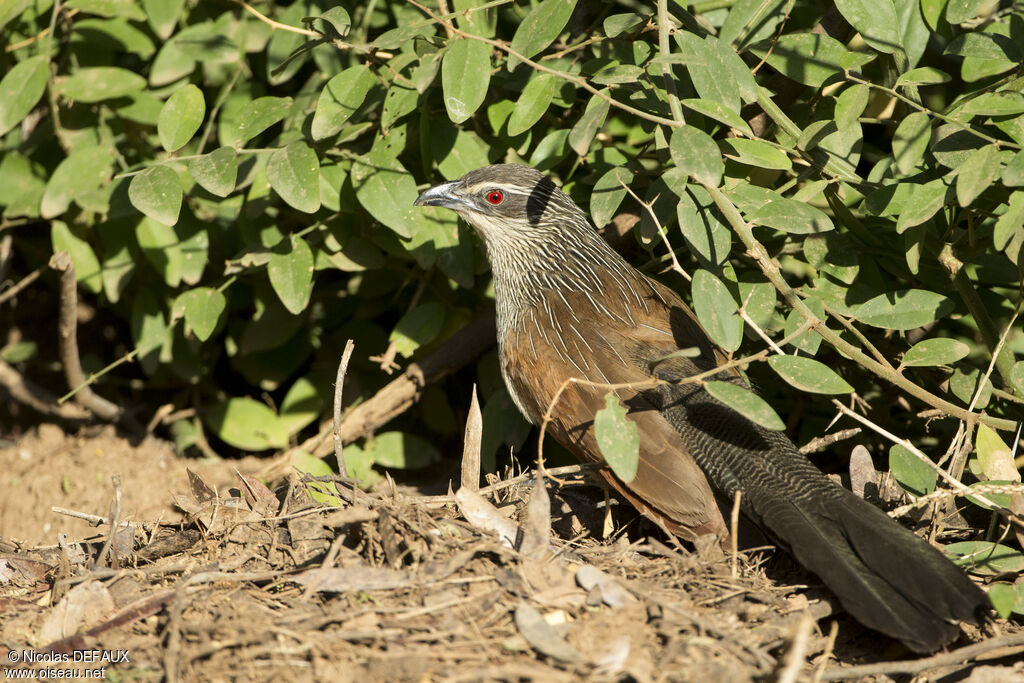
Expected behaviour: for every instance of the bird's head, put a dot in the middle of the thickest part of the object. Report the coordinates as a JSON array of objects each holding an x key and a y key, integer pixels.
[{"x": 508, "y": 202}]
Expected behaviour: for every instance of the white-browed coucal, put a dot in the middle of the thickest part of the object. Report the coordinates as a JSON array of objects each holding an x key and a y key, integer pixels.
[{"x": 569, "y": 306}]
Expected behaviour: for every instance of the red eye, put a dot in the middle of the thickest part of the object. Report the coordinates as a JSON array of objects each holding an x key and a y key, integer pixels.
[{"x": 495, "y": 197}]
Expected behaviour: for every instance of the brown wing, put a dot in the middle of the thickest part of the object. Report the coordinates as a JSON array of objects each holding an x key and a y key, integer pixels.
[{"x": 551, "y": 344}]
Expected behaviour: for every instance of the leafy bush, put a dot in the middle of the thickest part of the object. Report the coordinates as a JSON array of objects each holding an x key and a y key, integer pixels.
[{"x": 235, "y": 191}]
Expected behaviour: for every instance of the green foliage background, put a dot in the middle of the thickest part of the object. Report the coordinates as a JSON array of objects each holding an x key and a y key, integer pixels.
[{"x": 234, "y": 185}]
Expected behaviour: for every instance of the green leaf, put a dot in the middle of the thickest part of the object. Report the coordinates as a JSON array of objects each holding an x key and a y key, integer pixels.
[
  {"x": 156, "y": 192},
  {"x": 914, "y": 475},
  {"x": 905, "y": 309},
  {"x": 402, "y": 451},
  {"x": 203, "y": 308},
  {"x": 163, "y": 15},
  {"x": 400, "y": 101},
  {"x": 756, "y": 153},
  {"x": 701, "y": 225},
  {"x": 582, "y": 134},
  {"x": 20, "y": 91},
  {"x": 457, "y": 151},
  {"x": 910, "y": 141},
  {"x": 294, "y": 173},
  {"x": 792, "y": 216},
  {"x": 717, "y": 310},
  {"x": 1003, "y": 596},
  {"x": 83, "y": 258},
  {"x": 999, "y": 499},
  {"x": 149, "y": 330},
  {"x": 985, "y": 557},
  {"x": 1017, "y": 376},
  {"x": 608, "y": 193},
  {"x": 94, "y": 84},
  {"x": 994, "y": 457},
  {"x": 21, "y": 185},
  {"x": 1010, "y": 223},
  {"x": 965, "y": 384},
  {"x": 932, "y": 352},
  {"x": 340, "y": 99},
  {"x": 81, "y": 172},
  {"x": 807, "y": 374},
  {"x": 386, "y": 190},
  {"x": 334, "y": 23},
  {"x": 719, "y": 112},
  {"x": 978, "y": 172},
  {"x": 628, "y": 22},
  {"x": 258, "y": 115},
  {"x": 291, "y": 274},
  {"x": 717, "y": 72},
  {"x": 807, "y": 58},
  {"x": 889, "y": 26},
  {"x": 618, "y": 438},
  {"x": 985, "y": 54},
  {"x": 419, "y": 326},
  {"x": 108, "y": 8},
  {"x": 284, "y": 54},
  {"x": 300, "y": 406},
  {"x": 533, "y": 102},
  {"x": 325, "y": 492},
  {"x": 851, "y": 104},
  {"x": 540, "y": 28},
  {"x": 465, "y": 75},
  {"x": 697, "y": 155},
  {"x": 181, "y": 117},
  {"x": 246, "y": 424},
  {"x": 746, "y": 403},
  {"x": 216, "y": 172},
  {"x": 923, "y": 75},
  {"x": 992, "y": 104},
  {"x": 923, "y": 203},
  {"x": 959, "y": 11},
  {"x": 1013, "y": 174},
  {"x": 161, "y": 247}
]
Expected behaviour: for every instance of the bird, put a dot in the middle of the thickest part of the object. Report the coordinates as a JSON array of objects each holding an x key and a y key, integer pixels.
[{"x": 570, "y": 306}]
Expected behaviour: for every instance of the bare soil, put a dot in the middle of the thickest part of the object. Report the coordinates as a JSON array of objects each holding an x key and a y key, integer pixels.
[{"x": 218, "y": 577}]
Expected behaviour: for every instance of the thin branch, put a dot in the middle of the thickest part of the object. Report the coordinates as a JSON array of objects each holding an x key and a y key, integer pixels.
[
  {"x": 68, "y": 337},
  {"x": 962, "y": 655},
  {"x": 339, "y": 383}
]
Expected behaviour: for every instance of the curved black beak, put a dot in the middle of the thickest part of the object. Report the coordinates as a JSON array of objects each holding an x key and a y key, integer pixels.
[{"x": 441, "y": 195}]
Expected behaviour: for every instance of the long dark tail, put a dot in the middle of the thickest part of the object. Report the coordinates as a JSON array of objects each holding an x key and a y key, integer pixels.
[{"x": 885, "y": 576}]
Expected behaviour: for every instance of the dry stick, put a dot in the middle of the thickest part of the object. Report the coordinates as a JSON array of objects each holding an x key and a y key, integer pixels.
[
  {"x": 916, "y": 666},
  {"x": 339, "y": 383},
  {"x": 13, "y": 290},
  {"x": 796, "y": 654},
  {"x": 68, "y": 335},
  {"x": 821, "y": 442},
  {"x": 771, "y": 270},
  {"x": 471, "y": 445},
  {"x": 25, "y": 391},
  {"x": 830, "y": 646},
  {"x": 734, "y": 522},
  {"x": 115, "y": 521},
  {"x": 944, "y": 494}
]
